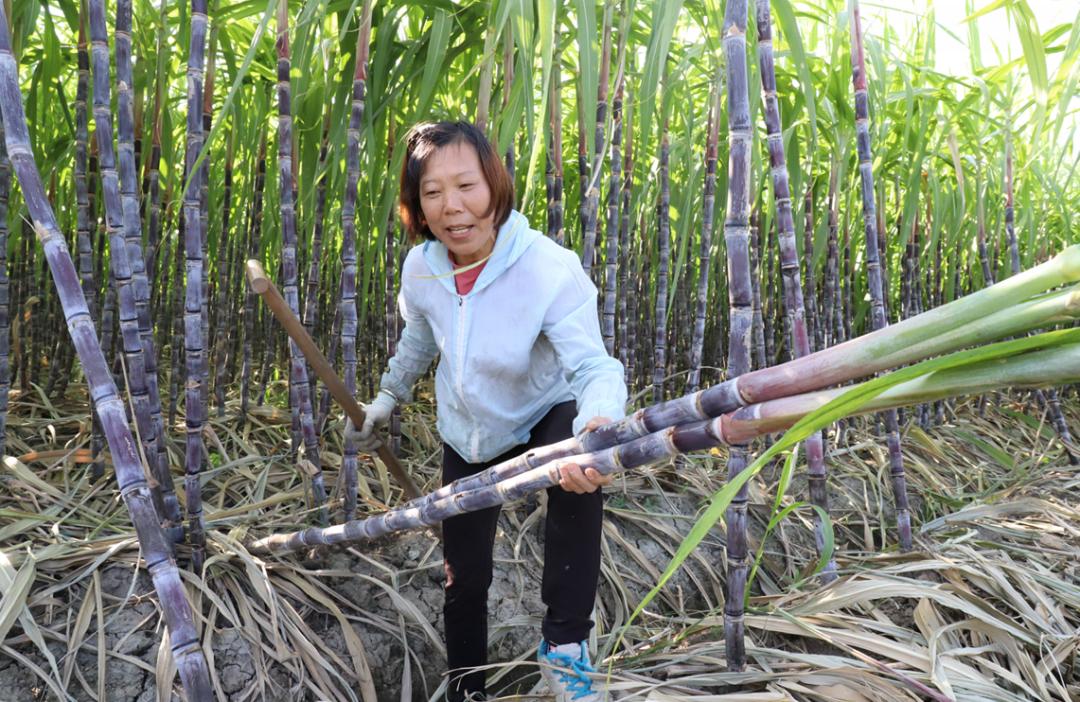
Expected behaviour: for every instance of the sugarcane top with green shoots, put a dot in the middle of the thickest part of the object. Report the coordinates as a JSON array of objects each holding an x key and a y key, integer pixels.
[{"x": 514, "y": 319}]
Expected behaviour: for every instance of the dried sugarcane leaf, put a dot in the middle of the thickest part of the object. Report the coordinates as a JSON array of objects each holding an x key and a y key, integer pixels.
[{"x": 15, "y": 587}]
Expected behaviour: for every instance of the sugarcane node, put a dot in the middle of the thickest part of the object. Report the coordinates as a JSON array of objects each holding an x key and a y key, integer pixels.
[{"x": 310, "y": 468}]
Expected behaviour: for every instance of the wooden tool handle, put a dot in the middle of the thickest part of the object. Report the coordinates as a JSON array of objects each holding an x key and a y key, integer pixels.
[{"x": 262, "y": 284}]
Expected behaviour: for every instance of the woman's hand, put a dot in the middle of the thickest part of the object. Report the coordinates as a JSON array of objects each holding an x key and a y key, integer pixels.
[
  {"x": 376, "y": 415},
  {"x": 579, "y": 479}
]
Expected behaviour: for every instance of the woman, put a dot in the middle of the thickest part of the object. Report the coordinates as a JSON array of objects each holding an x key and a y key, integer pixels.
[{"x": 522, "y": 364}]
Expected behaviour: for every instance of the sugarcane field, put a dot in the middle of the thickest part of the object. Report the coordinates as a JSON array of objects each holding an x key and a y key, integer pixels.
[{"x": 643, "y": 350}]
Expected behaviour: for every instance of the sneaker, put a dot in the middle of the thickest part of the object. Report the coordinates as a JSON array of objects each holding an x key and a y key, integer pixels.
[{"x": 566, "y": 669}]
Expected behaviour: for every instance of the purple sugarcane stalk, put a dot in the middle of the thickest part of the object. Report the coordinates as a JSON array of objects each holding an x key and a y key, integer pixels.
[
  {"x": 204, "y": 219},
  {"x": 663, "y": 235},
  {"x": 794, "y": 306},
  {"x": 627, "y": 313},
  {"x": 392, "y": 264},
  {"x": 554, "y": 168},
  {"x": 18, "y": 292},
  {"x": 311, "y": 298},
  {"x": 1010, "y": 231},
  {"x": 236, "y": 285},
  {"x": 176, "y": 307},
  {"x": 134, "y": 489},
  {"x": 712, "y": 140},
  {"x": 507, "y": 85},
  {"x": 831, "y": 310},
  {"x": 153, "y": 174},
  {"x": 769, "y": 307},
  {"x": 984, "y": 259},
  {"x": 116, "y": 220},
  {"x": 163, "y": 309},
  {"x": 84, "y": 221},
  {"x": 811, "y": 301},
  {"x": 194, "y": 340},
  {"x": 298, "y": 366},
  {"x": 393, "y": 427},
  {"x": 590, "y": 191},
  {"x": 129, "y": 200},
  {"x": 583, "y": 169},
  {"x": 254, "y": 236},
  {"x": 82, "y": 193},
  {"x": 847, "y": 281},
  {"x": 221, "y": 336},
  {"x": 757, "y": 340},
  {"x": 348, "y": 249},
  {"x": 5, "y": 291},
  {"x": 873, "y": 266},
  {"x": 611, "y": 226},
  {"x": 740, "y": 305},
  {"x": 897, "y": 345}
]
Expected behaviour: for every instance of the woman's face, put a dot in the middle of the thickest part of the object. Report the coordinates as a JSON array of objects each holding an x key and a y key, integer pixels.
[{"x": 455, "y": 199}]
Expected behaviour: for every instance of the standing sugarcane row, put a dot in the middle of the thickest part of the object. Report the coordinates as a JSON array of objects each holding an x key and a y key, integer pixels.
[
  {"x": 132, "y": 299},
  {"x": 682, "y": 339},
  {"x": 134, "y": 488},
  {"x": 874, "y": 274},
  {"x": 795, "y": 312}
]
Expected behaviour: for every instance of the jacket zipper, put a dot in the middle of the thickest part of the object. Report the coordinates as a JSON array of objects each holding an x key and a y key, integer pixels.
[{"x": 461, "y": 376}]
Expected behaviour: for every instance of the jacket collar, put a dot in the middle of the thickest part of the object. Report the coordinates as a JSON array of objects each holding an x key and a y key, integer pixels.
[{"x": 513, "y": 239}]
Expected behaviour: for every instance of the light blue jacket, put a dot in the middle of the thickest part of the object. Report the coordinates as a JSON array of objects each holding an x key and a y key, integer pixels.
[{"x": 524, "y": 339}]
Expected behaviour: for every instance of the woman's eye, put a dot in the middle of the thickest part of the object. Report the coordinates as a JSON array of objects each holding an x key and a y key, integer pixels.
[
  {"x": 431, "y": 193},
  {"x": 466, "y": 186}
]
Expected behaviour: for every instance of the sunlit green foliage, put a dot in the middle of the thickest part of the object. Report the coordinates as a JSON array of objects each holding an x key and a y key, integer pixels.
[{"x": 939, "y": 141}]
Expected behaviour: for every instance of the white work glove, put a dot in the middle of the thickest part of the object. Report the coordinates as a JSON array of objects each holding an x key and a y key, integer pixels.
[{"x": 376, "y": 415}]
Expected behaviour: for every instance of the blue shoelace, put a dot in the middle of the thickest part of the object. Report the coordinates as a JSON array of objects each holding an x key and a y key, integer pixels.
[{"x": 575, "y": 678}]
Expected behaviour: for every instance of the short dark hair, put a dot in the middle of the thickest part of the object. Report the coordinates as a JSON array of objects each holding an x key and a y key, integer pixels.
[{"x": 426, "y": 138}]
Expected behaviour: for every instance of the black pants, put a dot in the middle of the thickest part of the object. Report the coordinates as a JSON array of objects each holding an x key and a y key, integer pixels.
[{"x": 571, "y": 561}]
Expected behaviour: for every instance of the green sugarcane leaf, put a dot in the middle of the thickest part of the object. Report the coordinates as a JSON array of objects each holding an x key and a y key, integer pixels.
[
  {"x": 220, "y": 121},
  {"x": 846, "y": 404},
  {"x": 785, "y": 17},
  {"x": 1034, "y": 55},
  {"x": 588, "y": 67},
  {"x": 547, "y": 19},
  {"x": 1037, "y": 424},
  {"x": 665, "y": 15},
  {"x": 1068, "y": 78},
  {"x": 438, "y": 37},
  {"x": 1001, "y": 457},
  {"x": 786, "y": 475},
  {"x": 828, "y": 539},
  {"x": 997, "y": 4}
]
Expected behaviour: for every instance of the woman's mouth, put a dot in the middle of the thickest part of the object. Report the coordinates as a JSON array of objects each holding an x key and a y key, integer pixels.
[{"x": 459, "y": 231}]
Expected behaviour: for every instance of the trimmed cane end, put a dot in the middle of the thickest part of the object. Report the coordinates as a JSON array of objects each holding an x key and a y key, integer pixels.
[{"x": 257, "y": 276}]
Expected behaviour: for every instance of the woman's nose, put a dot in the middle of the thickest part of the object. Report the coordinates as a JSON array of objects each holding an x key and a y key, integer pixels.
[{"x": 452, "y": 202}]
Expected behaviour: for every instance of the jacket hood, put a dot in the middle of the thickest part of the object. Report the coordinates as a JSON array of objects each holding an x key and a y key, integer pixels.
[{"x": 513, "y": 240}]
